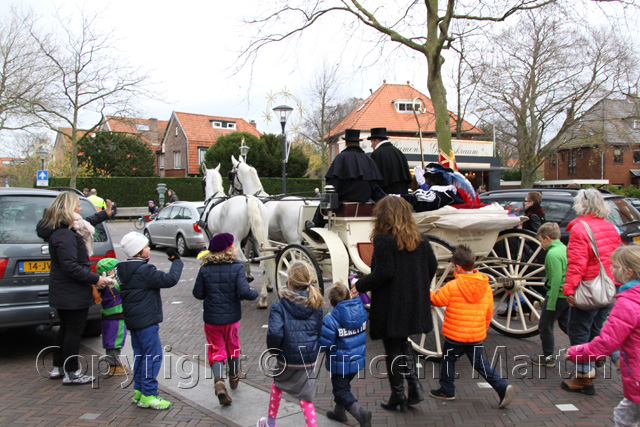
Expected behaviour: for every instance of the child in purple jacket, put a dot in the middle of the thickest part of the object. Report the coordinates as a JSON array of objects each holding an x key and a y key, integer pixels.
[{"x": 621, "y": 330}]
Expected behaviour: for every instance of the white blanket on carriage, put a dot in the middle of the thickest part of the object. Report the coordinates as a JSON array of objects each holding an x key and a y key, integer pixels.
[{"x": 493, "y": 217}]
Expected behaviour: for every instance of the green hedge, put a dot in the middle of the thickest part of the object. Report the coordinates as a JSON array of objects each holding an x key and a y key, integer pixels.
[{"x": 137, "y": 191}]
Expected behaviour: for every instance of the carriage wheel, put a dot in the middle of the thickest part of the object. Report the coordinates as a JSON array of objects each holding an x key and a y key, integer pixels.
[
  {"x": 515, "y": 268},
  {"x": 430, "y": 345},
  {"x": 290, "y": 254}
]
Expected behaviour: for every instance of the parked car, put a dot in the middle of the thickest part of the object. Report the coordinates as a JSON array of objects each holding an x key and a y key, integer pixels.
[
  {"x": 634, "y": 202},
  {"x": 177, "y": 226},
  {"x": 25, "y": 261},
  {"x": 558, "y": 207}
]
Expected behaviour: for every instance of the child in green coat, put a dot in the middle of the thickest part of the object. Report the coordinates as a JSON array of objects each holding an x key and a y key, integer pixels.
[{"x": 555, "y": 307}]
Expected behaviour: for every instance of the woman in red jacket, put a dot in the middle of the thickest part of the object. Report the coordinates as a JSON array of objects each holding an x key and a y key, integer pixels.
[{"x": 585, "y": 325}]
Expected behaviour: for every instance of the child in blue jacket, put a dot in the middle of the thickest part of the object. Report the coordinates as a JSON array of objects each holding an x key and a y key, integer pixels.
[
  {"x": 222, "y": 283},
  {"x": 344, "y": 339},
  {"x": 296, "y": 345}
]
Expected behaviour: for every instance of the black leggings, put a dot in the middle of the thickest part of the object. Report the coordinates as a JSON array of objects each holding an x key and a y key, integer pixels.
[{"x": 72, "y": 324}]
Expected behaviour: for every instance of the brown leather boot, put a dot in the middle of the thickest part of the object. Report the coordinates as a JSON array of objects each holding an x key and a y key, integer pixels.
[
  {"x": 234, "y": 380},
  {"x": 579, "y": 385},
  {"x": 221, "y": 391}
]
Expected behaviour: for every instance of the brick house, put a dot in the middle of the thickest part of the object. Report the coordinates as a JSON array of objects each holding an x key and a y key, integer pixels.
[
  {"x": 150, "y": 131},
  {"x": 391, "y": 106},
  {"x": 62, "y": 142},
  {"x": 604, "y": 144},
  {"x": 187, "y": 138}
]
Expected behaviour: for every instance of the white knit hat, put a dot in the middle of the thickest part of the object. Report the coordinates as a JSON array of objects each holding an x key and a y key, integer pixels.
[{"x": 133, "y": 243}]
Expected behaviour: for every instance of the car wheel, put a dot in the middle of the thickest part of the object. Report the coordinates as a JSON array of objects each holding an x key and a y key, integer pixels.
[
  {"x": 148, "y": 236},
  {"x": 93, "y": 328},
  {"x": 181, "y": 246}
]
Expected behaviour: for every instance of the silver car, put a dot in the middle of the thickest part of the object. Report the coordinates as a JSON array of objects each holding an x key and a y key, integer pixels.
[
  {"x": 177, "y": 226},
  {"x": 25, "y": 261}
]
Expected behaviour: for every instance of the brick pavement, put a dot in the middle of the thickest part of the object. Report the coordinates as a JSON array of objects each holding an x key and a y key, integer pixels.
[{"x": 25, "y": 396}]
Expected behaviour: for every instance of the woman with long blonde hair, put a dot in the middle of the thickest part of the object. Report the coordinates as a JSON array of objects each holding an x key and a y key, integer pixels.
[
  {"x": 296, "y": 345},
  {"x": 70, "y": 281},
  {"x": 402, "y": 268}
]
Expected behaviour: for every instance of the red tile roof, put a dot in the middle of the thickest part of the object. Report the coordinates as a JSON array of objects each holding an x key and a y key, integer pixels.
[
  {"x": 128, "y": 125},
  {"x": 378, "y": 110},
  {"x": 198, "y": 127}
]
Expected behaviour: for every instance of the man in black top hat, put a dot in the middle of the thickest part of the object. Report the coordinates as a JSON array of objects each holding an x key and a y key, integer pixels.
[
  {"x": 391, "y": 162},
  {"x": 353, "y": 174}
]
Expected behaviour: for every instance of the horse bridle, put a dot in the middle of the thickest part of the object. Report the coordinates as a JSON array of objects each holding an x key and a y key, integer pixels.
[{"x": 236, "y": 185}]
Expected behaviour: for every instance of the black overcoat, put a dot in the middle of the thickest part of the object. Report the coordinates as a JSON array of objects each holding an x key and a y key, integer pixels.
[
  {"x": 354, "y": 175},
  {"x": 393, "y": 165}
]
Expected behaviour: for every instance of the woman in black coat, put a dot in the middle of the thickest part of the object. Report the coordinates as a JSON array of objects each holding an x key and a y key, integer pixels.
[
  {"x": 402, "y": 268},
  {"x": 70, "y": 280}
]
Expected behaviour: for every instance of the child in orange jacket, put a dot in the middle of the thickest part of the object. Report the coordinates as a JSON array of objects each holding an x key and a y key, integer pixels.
[{"x": 469, "y": 303}]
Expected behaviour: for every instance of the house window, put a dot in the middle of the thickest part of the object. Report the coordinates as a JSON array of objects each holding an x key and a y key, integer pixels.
[
  {"x": 636, "y": 154},
  {"x": 161, "y": 161},
  {"x": 552, "y": 160},
  {"x": 216, "y": 124},
  {"x": 636, "y": 124},
  {"x": 231, "y": 125},
  {"x": 176, "y": 130},
  {"x": 617, "y": 154},
  {"x": 572, "y": 162},
  {"x": 142, "y": 127},
  {"x": 201, "y": 152},
  {"x": 407, "y": 106},
  {"x": 177, "y": 160},
  {"x": 581, "y": 154}
]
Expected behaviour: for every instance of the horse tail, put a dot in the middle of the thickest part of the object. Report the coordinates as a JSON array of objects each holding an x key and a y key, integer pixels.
[{"x": 258, "y": 227}]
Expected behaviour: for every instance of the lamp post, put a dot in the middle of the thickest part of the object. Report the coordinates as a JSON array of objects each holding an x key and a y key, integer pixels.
[
  {"x": 43, "y": 155},
  {"x": 283, "y": 112},
  {"x": 244, "y": 150}
]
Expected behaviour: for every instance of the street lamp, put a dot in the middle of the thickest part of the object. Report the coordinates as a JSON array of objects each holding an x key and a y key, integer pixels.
[
  {"x": 43, "y": 155},
  {"x": 283, "y": 112},
  {"x": 244, "y": 150}
]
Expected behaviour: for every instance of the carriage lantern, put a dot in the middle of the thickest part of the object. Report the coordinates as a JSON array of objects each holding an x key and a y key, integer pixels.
[{"x": 283, "y": 112}]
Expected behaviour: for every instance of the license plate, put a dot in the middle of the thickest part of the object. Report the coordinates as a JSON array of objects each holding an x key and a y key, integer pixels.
[
  {"x": 636, "y": 240},
  {"x": 27, "y": 267}
]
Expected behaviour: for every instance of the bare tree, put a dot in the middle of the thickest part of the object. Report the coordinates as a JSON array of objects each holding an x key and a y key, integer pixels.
[
  {"x": 544, "y": 77},
  {"x": 23, "y": 73},
  {"x": 419, "y": 26},
  {"x": 90, "y": 76},
  {"x": 327, "y": 110}
]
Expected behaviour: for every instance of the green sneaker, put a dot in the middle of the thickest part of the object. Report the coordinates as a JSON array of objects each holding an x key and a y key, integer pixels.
[
  {"x": 137, "y": 394},
  {"x": 153, "y": 402}
]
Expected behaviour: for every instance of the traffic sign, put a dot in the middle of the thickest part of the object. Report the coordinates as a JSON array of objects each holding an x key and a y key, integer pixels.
[{"x": 42, "y": 178}]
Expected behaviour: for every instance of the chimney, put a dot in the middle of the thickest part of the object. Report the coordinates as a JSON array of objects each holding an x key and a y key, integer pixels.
[
  {"x": 253, "y": 123},
  {"x": 153, "y": 132}
]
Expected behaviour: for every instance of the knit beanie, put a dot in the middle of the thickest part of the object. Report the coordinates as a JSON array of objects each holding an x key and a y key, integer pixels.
[
  {"x": 220, "y": 242},
  {"x": 133, "y": 243},
  {"x": 105, "y": 265}
]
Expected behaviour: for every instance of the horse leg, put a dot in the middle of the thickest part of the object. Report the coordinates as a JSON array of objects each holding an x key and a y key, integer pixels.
[{"x": 262, "y": 301}]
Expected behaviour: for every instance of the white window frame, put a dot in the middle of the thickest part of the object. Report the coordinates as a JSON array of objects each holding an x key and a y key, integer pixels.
[
  {"x": 201, "y": 152},
  {"x": 141, "y": 127},
  {"x": 231, "y": 125},
  {"x": 216, "y": 124},
  {"x": 635, "y": 124},
  {"x": 408, "y": 104},
  {"x": 177, "y": 160}
]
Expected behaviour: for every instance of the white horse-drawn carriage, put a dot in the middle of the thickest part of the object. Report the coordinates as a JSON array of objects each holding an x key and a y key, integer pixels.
[{"x": 511, "y": 258}]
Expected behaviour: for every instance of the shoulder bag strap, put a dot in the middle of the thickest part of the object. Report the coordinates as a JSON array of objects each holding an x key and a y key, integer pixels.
[{"x": 593, "y": 241}]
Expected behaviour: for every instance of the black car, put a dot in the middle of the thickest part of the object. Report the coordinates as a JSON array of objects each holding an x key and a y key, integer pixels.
[
  {"x": 25, "y": 260},
  {"x": 558, "y": 207}
]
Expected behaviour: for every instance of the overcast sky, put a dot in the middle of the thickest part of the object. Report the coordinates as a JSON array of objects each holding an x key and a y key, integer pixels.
[{"x": 189, "y": 50}]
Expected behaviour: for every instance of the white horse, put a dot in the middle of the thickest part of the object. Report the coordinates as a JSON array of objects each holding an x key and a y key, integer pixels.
[
  {"x": 283, "y": 213},
  {"x": 243, "y": 218}
]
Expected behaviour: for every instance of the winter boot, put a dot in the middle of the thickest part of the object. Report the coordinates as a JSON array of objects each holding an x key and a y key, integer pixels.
[
  {"x": 221, "y": 391},
  {"x": 337, "y": 413},
  {"x": 234, "y": 380},
  {"x": 583, "y": 383},
  {"x": 360, "y": 414},
  {"x": 414, "y": 386},
  {"x": 396, "y": 381}
]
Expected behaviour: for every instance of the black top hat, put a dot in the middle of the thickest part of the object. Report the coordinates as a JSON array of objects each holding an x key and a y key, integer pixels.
[
  {"x": 352, "y": 135},
  {"x": 378, "y": 133}
]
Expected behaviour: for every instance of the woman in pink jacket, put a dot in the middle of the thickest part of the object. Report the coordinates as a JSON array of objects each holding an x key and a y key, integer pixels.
[
  {"x": 621, "y": 330},
  {"x": 585, "y": 325}
]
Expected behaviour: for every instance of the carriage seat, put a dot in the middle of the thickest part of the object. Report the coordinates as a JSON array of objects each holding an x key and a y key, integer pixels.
[
  {"x": 469, "y": 205},
  {"x": 354, "y": 209}
]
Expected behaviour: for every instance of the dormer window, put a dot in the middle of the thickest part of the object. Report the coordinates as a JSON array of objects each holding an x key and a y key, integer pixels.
[
  {"x": 216, "y": 124},
  {"x": 231, "y": 125},
  {"x": 142, "y": 127},
  {"x": 635, "y": 124},
  {"x": 407, "y": 106}
]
